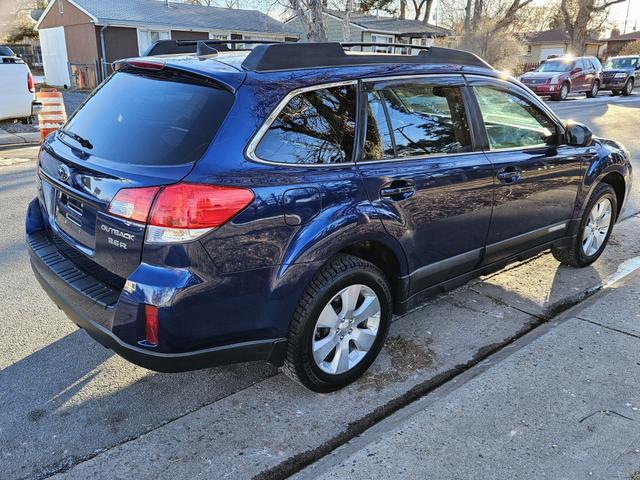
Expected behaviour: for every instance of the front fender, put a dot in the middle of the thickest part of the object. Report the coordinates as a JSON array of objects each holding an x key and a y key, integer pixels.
[{"x": 610, "y": 158}]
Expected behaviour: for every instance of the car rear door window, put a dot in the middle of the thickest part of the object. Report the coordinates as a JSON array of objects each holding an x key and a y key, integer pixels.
[
  {"x": 426, "y": 119},
  {"x": 314, "y": 128},
  {"x": 511, "y": 121},
  {"x": 164, "y": 118}
]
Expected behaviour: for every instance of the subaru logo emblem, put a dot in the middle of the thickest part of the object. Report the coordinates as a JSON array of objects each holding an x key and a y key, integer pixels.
[{"x": 63, "y": 172}]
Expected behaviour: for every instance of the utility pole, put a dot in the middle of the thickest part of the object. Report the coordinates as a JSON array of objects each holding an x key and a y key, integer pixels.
[{"x": 626, "y": 19}]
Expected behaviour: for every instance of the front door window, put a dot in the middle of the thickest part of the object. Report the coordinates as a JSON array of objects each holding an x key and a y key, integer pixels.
[{"x": 512, "y": 122}]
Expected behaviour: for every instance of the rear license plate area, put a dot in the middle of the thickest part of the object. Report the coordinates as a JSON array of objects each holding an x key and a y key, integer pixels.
[{"x": 75, "y": 218}]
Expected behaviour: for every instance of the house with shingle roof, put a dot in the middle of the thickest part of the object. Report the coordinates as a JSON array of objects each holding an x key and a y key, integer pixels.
[
  {"x": 81, "y": 38},
  {"x": 373, "y": 28},
  {"x": 544, "y": 44},
  {"x": 618, "y": 41}
]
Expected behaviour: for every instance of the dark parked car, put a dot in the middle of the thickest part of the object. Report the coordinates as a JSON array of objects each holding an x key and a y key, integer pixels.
[
  {"x": 282, "y": 204},
  {"x": 620, "y": 74},
  {"x": 557, "y": 77}
]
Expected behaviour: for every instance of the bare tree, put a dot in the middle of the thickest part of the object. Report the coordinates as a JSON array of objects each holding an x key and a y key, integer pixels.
[
  {"x": 578, "y": 16},
  {"x": 208, "y": 3},
  {"x": 509, "y": 17},
  {"x": 418, "y": 5},
  {"x": 346, "y": 26},
  {"x": 630, "y": 48},
  {"x": 310, "y": 14},
  {"x": 403, "y": 9}
]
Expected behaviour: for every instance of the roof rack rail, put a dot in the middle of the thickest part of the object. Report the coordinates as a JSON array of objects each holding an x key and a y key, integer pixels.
[
  {"x": 378, "y": 44},
  {"x": 289, "y": 55},
  {"x": 168, "y": 47}
]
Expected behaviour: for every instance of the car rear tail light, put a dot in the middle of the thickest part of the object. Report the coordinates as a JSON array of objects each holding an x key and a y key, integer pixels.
[
  {"x": 133, "y": 203},
  {"x": 151, "y": 325},
  {"x": 186, "y": 211},
  {"x": 180, "y": 212},
  {"x": 30, "y": 85}
]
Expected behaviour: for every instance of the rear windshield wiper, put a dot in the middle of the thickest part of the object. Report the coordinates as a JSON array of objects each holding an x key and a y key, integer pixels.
[{"x": 82, "y": 141}]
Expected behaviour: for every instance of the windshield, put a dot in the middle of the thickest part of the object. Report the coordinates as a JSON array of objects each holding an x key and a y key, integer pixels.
[
  {"x": 149, "y": 119},
  {"x": 555, "y": 66},
  {"x": 629, "y": 62}
]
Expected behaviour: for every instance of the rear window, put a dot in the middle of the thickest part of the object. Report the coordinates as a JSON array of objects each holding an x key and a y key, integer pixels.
[
  {"x": 6, "y": 51},
  {"x": 151, "y": 119}
]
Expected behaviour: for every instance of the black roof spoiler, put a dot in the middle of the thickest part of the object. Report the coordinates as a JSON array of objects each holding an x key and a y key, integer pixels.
[{"x": 273, "y": 55}]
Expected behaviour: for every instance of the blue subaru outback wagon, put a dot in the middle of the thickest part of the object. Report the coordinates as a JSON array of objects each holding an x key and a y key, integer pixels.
[{"x": 282, "y": 203}]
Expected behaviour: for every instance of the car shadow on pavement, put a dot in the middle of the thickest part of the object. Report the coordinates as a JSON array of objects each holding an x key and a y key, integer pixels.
[{"x": 74, "y": 397}]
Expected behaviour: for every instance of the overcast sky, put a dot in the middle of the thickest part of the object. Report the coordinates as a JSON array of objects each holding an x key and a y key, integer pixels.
[{"x": 618, "y": 13}]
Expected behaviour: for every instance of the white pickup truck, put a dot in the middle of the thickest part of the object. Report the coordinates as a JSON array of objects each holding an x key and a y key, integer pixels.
[{"x": 17, "y": 90}]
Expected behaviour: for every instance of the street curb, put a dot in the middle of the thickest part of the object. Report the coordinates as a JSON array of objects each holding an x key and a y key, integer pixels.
[
  {"x": 375, "y": 432},
  {"x": 11, "y": 146}
]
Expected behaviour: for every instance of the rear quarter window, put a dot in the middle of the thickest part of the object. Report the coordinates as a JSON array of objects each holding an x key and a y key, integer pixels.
[
  {"x": 314, "y": 128},
  {"x": 151, "y": 119}
]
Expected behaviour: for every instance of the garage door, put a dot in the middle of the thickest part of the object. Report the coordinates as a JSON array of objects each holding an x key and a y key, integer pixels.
[
  {"x": 54, "y": 56},
  {"x": 547, "y": 52}
]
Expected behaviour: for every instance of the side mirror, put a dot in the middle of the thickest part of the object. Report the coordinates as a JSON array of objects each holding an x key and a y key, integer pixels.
[{"x": 578, "y": 135}]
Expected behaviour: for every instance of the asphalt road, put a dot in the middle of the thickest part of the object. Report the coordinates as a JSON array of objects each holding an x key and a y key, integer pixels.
[
  {"x": 69, "y": 405},
  {"x": 617, "y": 118}
]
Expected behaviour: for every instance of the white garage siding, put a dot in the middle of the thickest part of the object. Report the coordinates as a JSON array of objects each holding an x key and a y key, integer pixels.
[
  {"x": 547, "y": 52},
  {"x": 54, "y": 56}
]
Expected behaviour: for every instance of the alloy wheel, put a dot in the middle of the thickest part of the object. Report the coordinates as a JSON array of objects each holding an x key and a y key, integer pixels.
[
  {"x": 346, "y": 329},
  {"x": 628, "y": 87},
  {"x": 564, "y": 91},
  {"x": 594, "y": 89},
  {"x": 597, "y": 227}
]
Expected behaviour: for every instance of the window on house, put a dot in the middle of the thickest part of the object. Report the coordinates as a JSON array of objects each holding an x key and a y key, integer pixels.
[
  {"x": 376, "y": 38},
  {"x": 146, "y": 38}
]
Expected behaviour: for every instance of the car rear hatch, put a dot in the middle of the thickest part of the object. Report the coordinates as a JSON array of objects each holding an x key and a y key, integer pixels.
[{"x": 145, "y": 127}]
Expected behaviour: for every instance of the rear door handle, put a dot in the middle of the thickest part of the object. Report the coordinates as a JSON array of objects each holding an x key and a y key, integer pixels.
[{"x": 509, "y": 174}]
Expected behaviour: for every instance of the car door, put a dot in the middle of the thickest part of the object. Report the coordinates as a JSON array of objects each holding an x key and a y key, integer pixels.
[
  {"x": 577, "y": 76},
  {"x": 537, "y": 175},
  {"x": 432, "y": 189},
  {"x": 589, "y": 73}
]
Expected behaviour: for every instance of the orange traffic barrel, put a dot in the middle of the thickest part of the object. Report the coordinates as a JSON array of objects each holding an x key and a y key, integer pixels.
[{"x": 52, "y": 115}]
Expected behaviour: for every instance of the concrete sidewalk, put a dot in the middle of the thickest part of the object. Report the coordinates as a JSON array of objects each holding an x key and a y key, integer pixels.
[{"x": 560, "y": 403}]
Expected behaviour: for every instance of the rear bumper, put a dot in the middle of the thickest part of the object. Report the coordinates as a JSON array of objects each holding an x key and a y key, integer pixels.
[{"x": 92, "y": 305}]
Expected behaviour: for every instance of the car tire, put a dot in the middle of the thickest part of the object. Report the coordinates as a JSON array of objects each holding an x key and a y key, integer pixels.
[
  {"x": 322, "y": 343},
  {"x": 562, "y": 94},
  {"x": 628, "y": 88},
  {"x": 593, "y": 91},
  {"x": 592, "y": 233}
]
